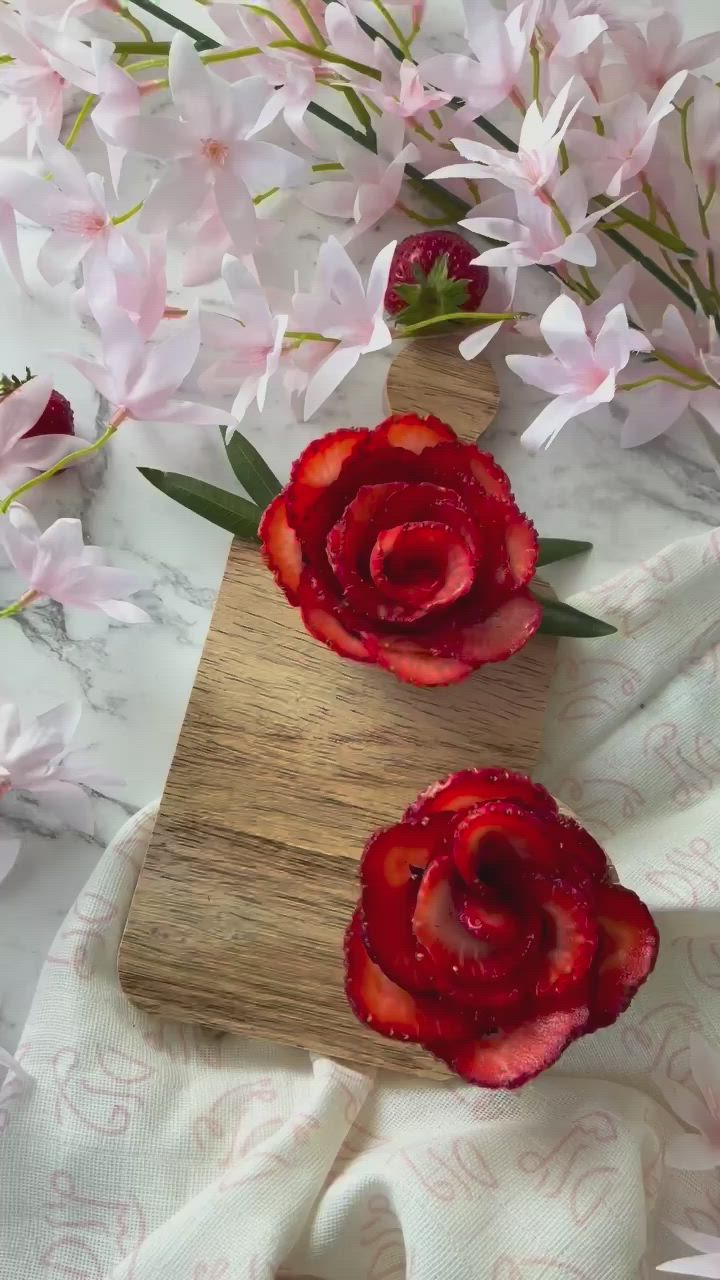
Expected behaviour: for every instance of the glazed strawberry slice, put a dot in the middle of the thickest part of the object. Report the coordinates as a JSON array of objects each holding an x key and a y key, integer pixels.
[
  {"x": 627, "y": 950},
  {"x": 521, "y": 544},
  {"x": 422, "y": 564},
  {"x": 495, "y": 638},
  {"x": 321, "y": 463},
  {"x": 408, "y": 431},
  {"x": 493, "y": 834},
  {"x": 413, "y": 664},
  {"x": 457, "y": 955},
  {"x": 450, "y": 463},
  {"x": 390, "y": 1010},
  {"x": 507, "y": 1059},
  {"x": 390, "y": 871},
  {"x": 470, "y": 787},
  {"x": 570, "y": 935},
  {"x": 281, "y": 548},
  {"x": 330, "y": 620},
  {"x": 578, "y": 849}
]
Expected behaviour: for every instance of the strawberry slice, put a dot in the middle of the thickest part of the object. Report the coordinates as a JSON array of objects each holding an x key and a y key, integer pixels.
[
  {"x": 408, "y": 431},
  {"x": 578, "y": 849},
  {"x": 321, "y": 463},
  {"x": 423, "y": 563},
  {"x": 483, "y": 912},
  {"x": 457, "y": 955},
  {"x": 450, "y": 466},
  {"x": 498, "y": 636},
  {"x": 570, "y": 935},
  {"x": 627, "y": 951},
  {"x": 498, "y": 833},
  {"x": 390, "y": 872},
  {"x": 409, "y": 662},
  {"x": 474, "y": 786},
  {"x": 507, "y": 1059},
  {"x": 322, "y": 614},
  {"x": 521, "y": 544},
  {"x": 281, "y": 548},
  {"x": 390, "y": 1010}
]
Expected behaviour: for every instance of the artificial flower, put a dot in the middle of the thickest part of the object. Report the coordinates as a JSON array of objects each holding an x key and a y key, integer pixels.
[
  {"x": 206, "y": 242},
  {"x": 44, "y": 62},
  {"x": 347, "y": 314},
  {"x": 20, "y": 410},
  {"x": 699, "y": 1150},
  {"x": 35, "y": 757},
  {"x": 625, "y": 148},
  {"x": 582, "y": 371},
  {"x": 536, "y": 235},
  {"x": 375, "y": 180},
  {"x": 210, "y": 146},
  {"x": 8, "y": 234},
  {"x": 491, "y": 930},
  {"x": 706, "y": 1263},
  {"x": 56, "y": 563},
  {"x": 139, "y": 378},
  {"x": 407, "y": 96},
  {"x": 119, "y": 98},
  {"x": 251, "y": 341},
  {"x": 704, "y": 134},
  {"x": 137, "y": 286},
  {"x": 405, "y": 548},
  {"x": 500, "y": 44},
  {"x": 653, "y": 409},
  {"x": 653, "y": 57},
  {"x": 534, "y": 163},
  {"x": 346, "y": 37},
  {"x": 73, "y": 205}
]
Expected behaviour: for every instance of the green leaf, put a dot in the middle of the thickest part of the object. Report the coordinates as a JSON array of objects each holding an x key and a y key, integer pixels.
[
  {"x": 554, "y": 549},
  {"x": 560, "y": 619},
  {"x": 251, "y": 469},
  {"x": 226, "y": 510}
]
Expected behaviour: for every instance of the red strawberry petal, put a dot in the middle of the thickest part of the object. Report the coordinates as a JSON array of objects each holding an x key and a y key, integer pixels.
[
  {"x": 281, "y": 548},
  {"x": 321, "y": 463},
  {"x": 580, "y": 852},
  {"x": 386, "y": 1007},
  {"x": 627, "y": 951},
  {"x": 409, "y": 662},
  {"x": 475, "y": 786},
  {"x": 424, "y": 564},
  {"x": 570, "y": 935},
  {"x": 506, "y": 1059},
  {"x": 390, "y": 874},
  {"x": 329, "y": 620},
  {"x": 521, "y": 542},
  {"x": 498, "y": 637},
  {"x": 408, "y": 431},
  {"x": 457, "y": 954},
  {"x": 483, "y": 912},
  {"x": 497, "y": 832},
  {"x": 467, "y": 469}
]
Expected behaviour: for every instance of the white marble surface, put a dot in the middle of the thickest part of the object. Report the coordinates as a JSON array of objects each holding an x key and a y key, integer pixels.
[{"x": 134, "y": 682}]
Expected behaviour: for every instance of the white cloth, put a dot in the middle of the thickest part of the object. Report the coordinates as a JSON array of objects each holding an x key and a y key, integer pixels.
[{"x": 151, "y": 1151}]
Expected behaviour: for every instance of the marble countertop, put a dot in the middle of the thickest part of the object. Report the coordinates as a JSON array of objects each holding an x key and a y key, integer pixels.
[{"x": 134, "y": 682}]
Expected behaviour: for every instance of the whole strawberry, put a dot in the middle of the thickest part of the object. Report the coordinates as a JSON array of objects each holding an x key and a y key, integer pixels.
[
  {"x": 431, "y": 275},
  {"x": 57, "y": 417}
]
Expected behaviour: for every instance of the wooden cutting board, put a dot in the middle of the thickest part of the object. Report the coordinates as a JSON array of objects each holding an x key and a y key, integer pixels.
[{"x": 288, "y": 759}]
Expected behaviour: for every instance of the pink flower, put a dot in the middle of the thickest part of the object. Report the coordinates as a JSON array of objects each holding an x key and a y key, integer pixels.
[
  {"x": 375, "y": 180},
  {"x": 347, "y": 38},
  {"x": 706, "y": 1263},
  {"x": 210, "y": 147},
  {"x": 499, "y": 296},
  {"x": 207, "y": 241},
  {"x": 500, "y": 44},
  {"x": 655, "y": 57},
  {"x": 581, "y": 372},
  {"x": 704, "y": 133},
  {"x": 349, "y": 315},
  {"x": 35, "y": 756},
  {"x": 699, "y": 1150},
  {"x": 64, "y": 10},
  {"x": 408, "y": 97},
  {"x": 72, "y": 204},
  {"x": 630, "y": 132},
  {"x": 138, "y": 378},
  {"x": 654, "y": 409},
  {"x": 57, "y": 564},
  {"x": 536, "y": 236},
  {"x": 251, "y": 340},
  {"x": 535, "y": 162},
  {"x": 44, "y": 63},
  {"x": 119, "y": 100},
  {"x": 19, "y": 411},
  {"x": 137, "y": 286}
]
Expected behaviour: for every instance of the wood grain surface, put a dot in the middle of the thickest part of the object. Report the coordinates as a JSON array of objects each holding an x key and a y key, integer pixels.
[
  {"x": 288, "y": 759},
  {"x": 430, "y": 376}
]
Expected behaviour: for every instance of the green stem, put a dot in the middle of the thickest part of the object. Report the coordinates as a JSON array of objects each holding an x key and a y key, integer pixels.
[
  {"x": 77, "y": 456},
  {"x": 80, "y": 119},
  {"x": 599, "y": 126},
  {"x": 271, "y": 17},
  {"x": 28, "y": 598},
  {"x": 357, "y": 106},
  {"x": 326, "y": 55},
  {"x": 685, "y": 369},
  {"x": 652, "y": 267},
  {"x": 395, "y": 28},
  {"x": 309, "y": 21},
  {"x": 201, "y": 40},
  {"x": 466, "y": 317},
  {"x": 419, "y": 217},
  {"x": 436, "y": 119},
  {"x": 142, "y": 46},
  {"x": 147, "y": 64},
  {"x": 668, "y": 239},
  {"x": 535, "y": 60},
  {"x": 559, "y": 215},
  {"x": 327, "y": 166},
  {"x": 684, "y": 111},
  {"x": 265, "y": 195},
  {"x": 301, "y": 336},
  {"x": 138, "y": 25},
  {"x": 662, "y": 377},
  {"x": 588, "y": 282},
  {"x": 125, "y": 217}
]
